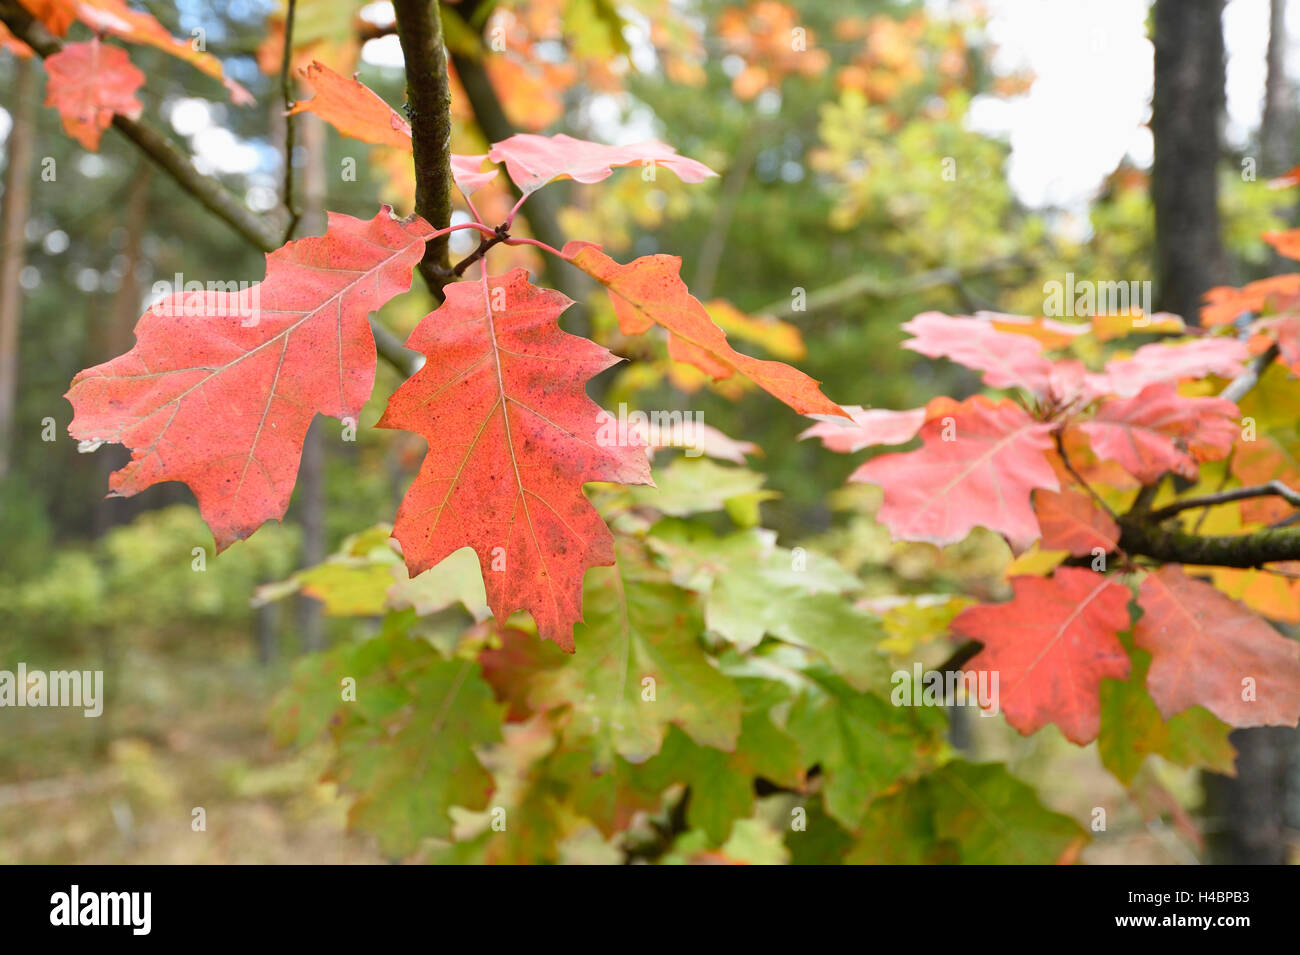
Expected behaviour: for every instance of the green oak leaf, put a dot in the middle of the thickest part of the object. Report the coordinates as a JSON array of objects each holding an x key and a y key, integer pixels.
[
  {"x": 863, "y": 743},
  {"x": 639, "y": 668}
]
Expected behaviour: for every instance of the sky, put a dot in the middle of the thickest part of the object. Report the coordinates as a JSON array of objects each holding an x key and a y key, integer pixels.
[{"x": 1092, "y": 95}]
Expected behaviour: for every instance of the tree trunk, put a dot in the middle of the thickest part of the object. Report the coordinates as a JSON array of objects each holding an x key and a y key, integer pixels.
[
  {"x": 113, "y": 337},
  {"x": 13, "y": 247},
  {"x": 1186, "y": 110},
  {"x": 1277, "y": 126},
  {"x": 1245, "y": 814}
]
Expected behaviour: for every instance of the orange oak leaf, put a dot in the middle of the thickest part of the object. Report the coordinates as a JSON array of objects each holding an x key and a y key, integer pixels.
[
  {"x": 1286, "y": 243},
  {"x": 977, "y": 466},
  {"x": 14, "y": 45},
  {"x": 649, "y": 291},
  {"x": 88, "y": 83},
  {"x": 221, "y": 385},
  {"x": 1259, "y": 461},
  {"x": 1208, "y": 650},
  {"x": 1051, "y": 646},
  {"x": 135, "y": 26},
  {"x": 1159, "y": 431},
  {"x": 1288, "y": 179},
  {"x": 512, "y": 438},
  {"x": 1225, "y": 303},
  {"x": 532, "y": 161},
  {"x": 56, "y": 15},
  {"x": 352, "y": 108},
  {"x": 1072, "y": 521}
]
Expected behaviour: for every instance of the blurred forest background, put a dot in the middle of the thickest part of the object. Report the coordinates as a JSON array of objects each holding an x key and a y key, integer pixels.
[{"x": 833, "y": 217}]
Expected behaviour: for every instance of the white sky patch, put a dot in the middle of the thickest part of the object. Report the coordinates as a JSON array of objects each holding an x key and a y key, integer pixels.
[
  {"x": 189, "y": 115},
  {"x": 383, "y": 51},
  {"x": 1091, "y": 98},
  {"x": 217, "y": 149}
]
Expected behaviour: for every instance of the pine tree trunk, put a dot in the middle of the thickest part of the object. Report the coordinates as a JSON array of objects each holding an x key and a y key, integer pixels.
[
  {"x": 13, "y": 247},
  {"x": 1186, "y": 112}
]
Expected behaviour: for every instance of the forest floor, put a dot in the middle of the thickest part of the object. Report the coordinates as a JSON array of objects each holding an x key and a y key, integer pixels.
[{"x": 188, "y": 731}]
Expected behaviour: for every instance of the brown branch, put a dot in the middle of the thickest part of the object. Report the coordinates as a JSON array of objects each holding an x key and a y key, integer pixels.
[
  {"x": 286, "y": 92},
  {"x": 1138, "y": 538},
  {"x": 256, "y": 230},
  {"x": 1065, "y": 459},
  {"x": 1142, "y": 531},
  {"x": 1271, "y": 489},
  {"x": 428, "y": 97},
  {"x": 542, "y": 210},
  {"x": 485, "y": 243}
]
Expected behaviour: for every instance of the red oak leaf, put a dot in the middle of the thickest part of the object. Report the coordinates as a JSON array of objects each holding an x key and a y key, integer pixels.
[
  {"x": 352, "y": 108},
  {"x": 512, "y": 439},
  {"x": 1072, "y": 521},
  {"x": 866, "y": 428},
  {"x": 88, "y": 83},
  {"x": 532, "y": 161},
  {"x": 1205, "y": 647},
  {"x": 469, "y": 174},
  {"x": 1224, "y": 357},
  {"x": 649, "y": 291},
  {"x": 1008, "y": 360},
  {"x": 1160, "y": 430},
  {"x": 1051, "y": 647},
  {"x": 977, "y": 466},
  {"x": 221, "y": 386}
]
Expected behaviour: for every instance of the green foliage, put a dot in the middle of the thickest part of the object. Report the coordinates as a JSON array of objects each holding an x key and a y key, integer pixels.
[{"x": 688, "y": 699}]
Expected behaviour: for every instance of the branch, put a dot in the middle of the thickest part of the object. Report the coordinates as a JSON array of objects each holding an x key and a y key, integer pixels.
[
  {"x": 867, "y": 284},
  {"x": 286, "y": 92},
  {"x": 1248, "y": 379},
  {"x": 428, "y": 96},
  {"x": 543, "y": 209},
  {"x": 254, "y": 229},
  {"x": 501, "y": 234},
  {"x": 1271, "y": 489},
  {"x": 1177, "y": 546}
]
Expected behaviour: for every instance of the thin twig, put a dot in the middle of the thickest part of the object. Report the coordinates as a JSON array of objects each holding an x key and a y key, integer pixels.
[
  {"x": 1065, "y": 459},
  {"x": 1248, "y": 379},
  {"x": 1271, "y": 489},
  {"x": 286, "y": 92}
]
